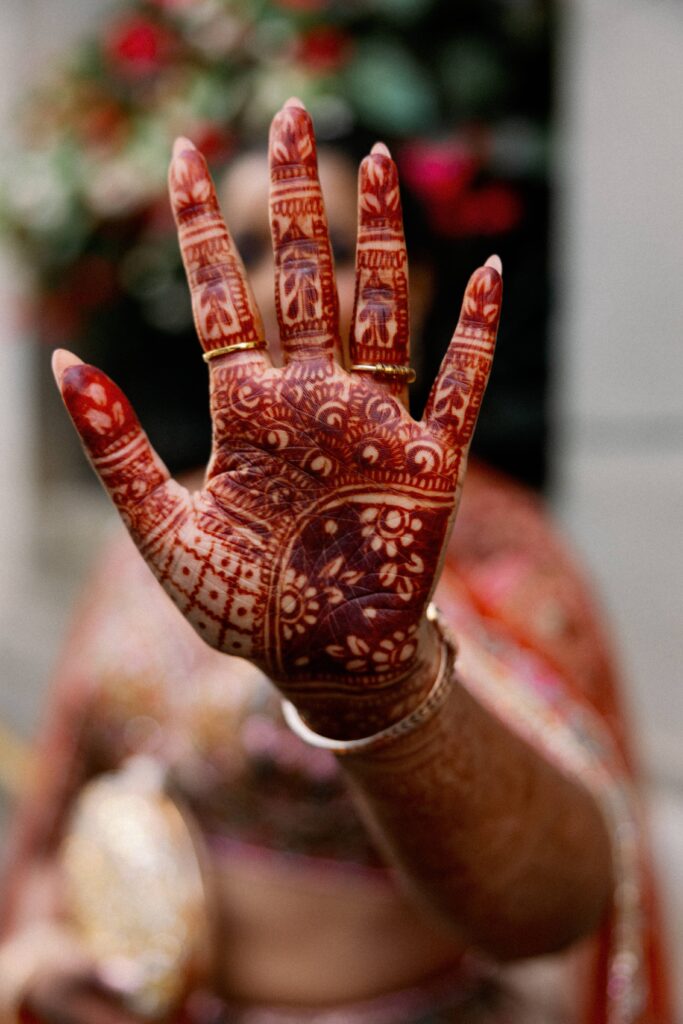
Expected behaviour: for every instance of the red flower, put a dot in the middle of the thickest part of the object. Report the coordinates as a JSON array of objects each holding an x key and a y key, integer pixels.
[
  {"x": 490, "y": 210},
  {"x": 138, "y": 47},
  {"x": 443, "y": 175},
  {"x": 324, "y": 49},
  {"x": 438, "y": 172}
]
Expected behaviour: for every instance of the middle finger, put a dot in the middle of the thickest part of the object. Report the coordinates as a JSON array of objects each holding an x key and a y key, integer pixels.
[{"x": 305, "y": 289}]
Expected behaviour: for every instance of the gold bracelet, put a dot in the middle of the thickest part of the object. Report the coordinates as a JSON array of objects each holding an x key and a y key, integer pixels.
[
  {"x": 239, "y": 346},
  {"x": 387, "y": 370},
  {"x": 412, "y": 721}
]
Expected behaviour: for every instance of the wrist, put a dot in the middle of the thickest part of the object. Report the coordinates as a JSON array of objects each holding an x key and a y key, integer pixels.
[{"x": 381, "y": 703}]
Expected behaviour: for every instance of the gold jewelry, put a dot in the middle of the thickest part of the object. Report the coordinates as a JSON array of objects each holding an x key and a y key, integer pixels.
[
  {"x": 387, "y": 370},
  {"x": 133, "y": 886},
  {"x": 414, "y": 720},
  {"x": 239, "y": 346}
]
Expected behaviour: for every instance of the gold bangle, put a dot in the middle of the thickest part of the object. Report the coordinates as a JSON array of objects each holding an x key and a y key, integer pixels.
[
  {"x": 412, "y": 721},
  {"x": 387, "y": 370},
  {"x": 239, "y": 346}
]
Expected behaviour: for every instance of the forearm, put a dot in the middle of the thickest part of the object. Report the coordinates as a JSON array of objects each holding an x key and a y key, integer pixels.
[{"x": 512, "y": 852}]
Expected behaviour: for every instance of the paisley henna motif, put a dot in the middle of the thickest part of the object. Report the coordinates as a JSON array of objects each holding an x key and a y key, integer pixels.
[{"x": 314, "y": 546}]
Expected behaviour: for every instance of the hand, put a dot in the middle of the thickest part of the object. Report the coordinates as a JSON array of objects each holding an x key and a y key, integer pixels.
[{"x": 316, "y": 542}]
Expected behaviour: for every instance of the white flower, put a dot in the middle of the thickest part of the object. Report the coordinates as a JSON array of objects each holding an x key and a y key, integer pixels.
[
  {"x": 389, "y": 528},
  {"x": 299, "y": 606}
]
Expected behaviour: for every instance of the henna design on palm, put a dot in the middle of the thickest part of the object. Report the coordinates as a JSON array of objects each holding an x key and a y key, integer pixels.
[{"x": 316, "y": 542}]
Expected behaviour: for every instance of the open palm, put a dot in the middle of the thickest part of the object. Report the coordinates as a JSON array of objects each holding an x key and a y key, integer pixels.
[{"x": 315, "y": 544}]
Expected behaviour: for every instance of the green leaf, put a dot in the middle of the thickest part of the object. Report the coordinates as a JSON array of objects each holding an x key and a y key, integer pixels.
[
  {"x": 472, "y": 75},
  {"x": 389, "y": 88}
]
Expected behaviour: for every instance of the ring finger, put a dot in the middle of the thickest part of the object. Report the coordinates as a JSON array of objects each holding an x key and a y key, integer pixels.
[{"x": 380, "y": 334}]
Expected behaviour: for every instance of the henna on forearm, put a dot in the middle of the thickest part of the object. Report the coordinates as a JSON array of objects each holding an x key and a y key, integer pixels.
[{"x": 513, "y": 854}]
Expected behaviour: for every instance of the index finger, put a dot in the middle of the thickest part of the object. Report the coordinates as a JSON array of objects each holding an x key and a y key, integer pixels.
[{"x": 224, "y": 308}]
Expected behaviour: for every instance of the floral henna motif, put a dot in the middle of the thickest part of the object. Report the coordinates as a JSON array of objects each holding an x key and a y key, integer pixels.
[
  {"x": 314, "y": 546},
  {"x": 380, "y": 331},
  {"x": 330, "y": 474},
  {"x": 117, "y": 446},
  {"x": 305, "y": 291}
]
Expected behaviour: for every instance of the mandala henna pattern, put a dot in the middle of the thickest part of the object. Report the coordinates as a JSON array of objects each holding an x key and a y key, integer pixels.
[{"x": 313, "y": 548}]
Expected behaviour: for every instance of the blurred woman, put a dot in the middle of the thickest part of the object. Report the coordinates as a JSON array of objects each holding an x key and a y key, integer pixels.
[{"x": 422, "y": 798}]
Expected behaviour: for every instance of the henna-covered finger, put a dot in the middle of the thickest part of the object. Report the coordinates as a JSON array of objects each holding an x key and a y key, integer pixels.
[
  {"x": 150, "y": 503},
  {"x": 380, "y": 324},
  {"x": 224, "y": 308},
  {"x": 305, "y": 289},
  {"x": 456, "y": 396}
]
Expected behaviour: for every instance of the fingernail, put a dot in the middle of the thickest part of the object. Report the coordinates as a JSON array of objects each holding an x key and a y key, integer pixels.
[
  {"x": 495, "y": 263},
  {"x": 181, "y": 145},
  {"x": 381, "y": 149},
  {"x": 61, "y": 361},
  {"x": 294, "y": 101}
]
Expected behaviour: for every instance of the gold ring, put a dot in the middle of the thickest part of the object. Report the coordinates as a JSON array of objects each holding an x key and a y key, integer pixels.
[
  {"x": 239, "y": 346},
  {"x": 387, "y": 370}
]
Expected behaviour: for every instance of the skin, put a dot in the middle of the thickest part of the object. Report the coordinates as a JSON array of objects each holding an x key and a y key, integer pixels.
[
  {"x": 313, "y": 548},
  {"x": 318, "y": 537},
  {"x": 243, "y": 196}
]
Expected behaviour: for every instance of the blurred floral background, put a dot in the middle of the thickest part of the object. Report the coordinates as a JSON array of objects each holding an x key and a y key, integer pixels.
[
  {"x": 547, "y": 132},
  {"x": 461, "y": 94}
]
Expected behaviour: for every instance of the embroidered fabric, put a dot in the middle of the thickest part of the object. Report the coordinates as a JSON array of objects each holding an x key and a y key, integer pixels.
[
  {"x": 468, "y": 994},
  {"x": 531, "y": 648}
]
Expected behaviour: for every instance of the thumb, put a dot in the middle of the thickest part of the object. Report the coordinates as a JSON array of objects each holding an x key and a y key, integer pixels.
[{"x": 132, "y": 473}]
